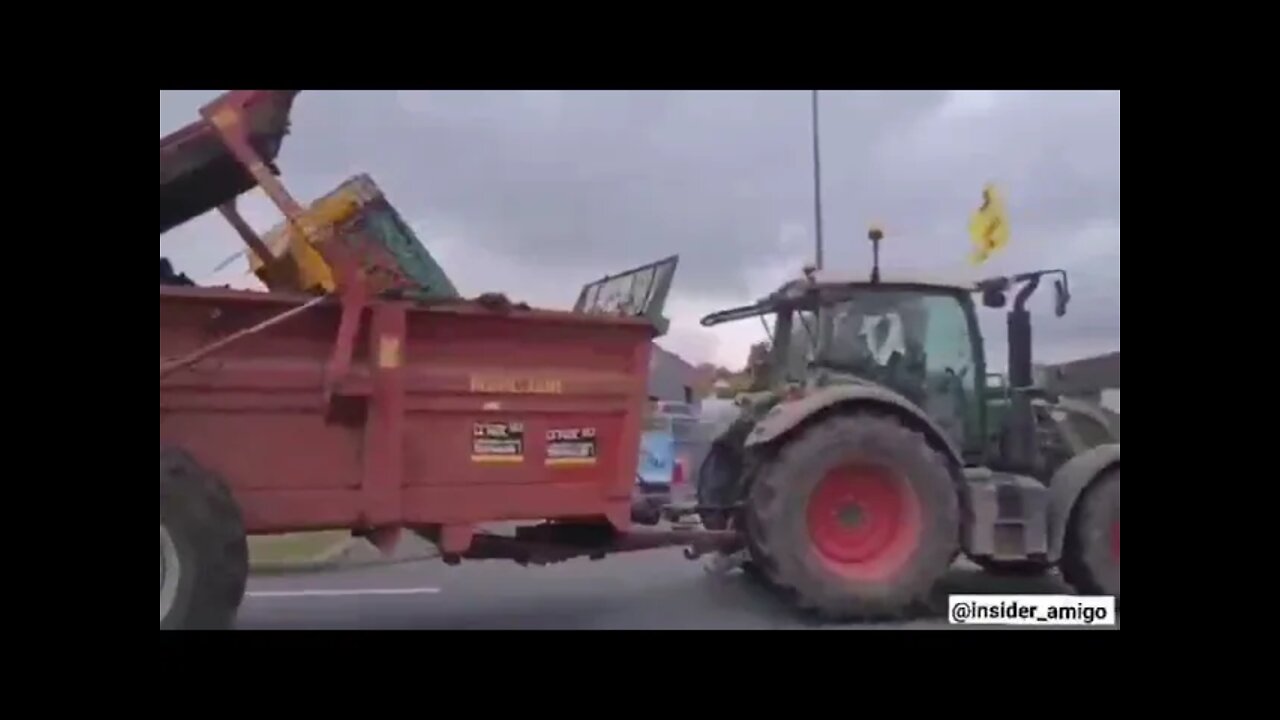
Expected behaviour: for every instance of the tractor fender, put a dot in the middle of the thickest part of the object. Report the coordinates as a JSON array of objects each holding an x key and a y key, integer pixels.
[
  {"x": 1069, "y": 482},
  {"x": 788, "y": 415}
]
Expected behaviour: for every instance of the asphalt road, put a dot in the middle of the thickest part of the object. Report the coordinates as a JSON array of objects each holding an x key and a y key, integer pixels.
[{"x": 649, "y": 590}]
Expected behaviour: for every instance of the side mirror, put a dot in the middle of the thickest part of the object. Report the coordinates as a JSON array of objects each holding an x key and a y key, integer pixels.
[
  {"x": 1061, "y": 296},
  {"x": 994, "y": 298}
]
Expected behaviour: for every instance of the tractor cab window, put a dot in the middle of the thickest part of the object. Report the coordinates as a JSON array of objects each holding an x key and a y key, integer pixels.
[
  {"x": 916, "y": 343},
  {"x": 788, "y": 350},
  {"x": 803, "y": 345}
]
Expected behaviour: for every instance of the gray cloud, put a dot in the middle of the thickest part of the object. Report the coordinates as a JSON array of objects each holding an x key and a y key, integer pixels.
[{"x": 544, "y": 190}]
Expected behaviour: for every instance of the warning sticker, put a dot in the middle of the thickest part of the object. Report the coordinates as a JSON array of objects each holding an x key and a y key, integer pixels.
[
  {"x": 497, "y": 442},
  {"x": 571, "y": 446}
]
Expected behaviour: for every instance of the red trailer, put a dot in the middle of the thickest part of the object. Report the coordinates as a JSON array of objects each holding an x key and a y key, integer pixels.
[{"x": 360, "y": 409}]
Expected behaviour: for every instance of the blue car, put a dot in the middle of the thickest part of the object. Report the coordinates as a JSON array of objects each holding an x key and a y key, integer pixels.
[{"x": 660, "y": 474}]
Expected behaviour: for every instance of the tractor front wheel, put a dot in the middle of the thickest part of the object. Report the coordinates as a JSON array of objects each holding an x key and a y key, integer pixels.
[
  {"x": 1091, "y": 552},
  {"x": 204, "y": 557},
  {"x": 857, "y": 516}
]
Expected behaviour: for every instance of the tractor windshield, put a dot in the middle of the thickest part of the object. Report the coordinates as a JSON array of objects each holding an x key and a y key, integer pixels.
[{"x": 916, "y": 342}]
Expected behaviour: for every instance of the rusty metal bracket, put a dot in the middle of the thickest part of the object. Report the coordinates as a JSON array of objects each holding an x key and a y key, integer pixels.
[
  {"x": 355, "y": 301},
  {"x": 227, "y": 117}
]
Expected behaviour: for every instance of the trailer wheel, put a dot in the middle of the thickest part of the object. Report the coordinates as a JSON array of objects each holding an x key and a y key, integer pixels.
[
  {"x": 858, "y": 517},
  {"x": 1091, "y": 552},
  {"x": 204, "y": 557}
]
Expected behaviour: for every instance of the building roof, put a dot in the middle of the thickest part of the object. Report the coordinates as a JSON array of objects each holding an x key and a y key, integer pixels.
[
  {"x": 1086, "y": 375},
  {"x": 669, "y": 375}
]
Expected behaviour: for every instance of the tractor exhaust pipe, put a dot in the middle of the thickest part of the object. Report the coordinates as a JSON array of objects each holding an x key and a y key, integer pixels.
[{"x": 1021, "y": 452}]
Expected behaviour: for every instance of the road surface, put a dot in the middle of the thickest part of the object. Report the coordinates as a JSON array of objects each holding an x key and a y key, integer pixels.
[{"x": 650, "y": 590}]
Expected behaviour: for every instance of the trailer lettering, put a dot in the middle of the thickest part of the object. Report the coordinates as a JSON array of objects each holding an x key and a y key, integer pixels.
[
  {"x": 516, "y": 386},
  {"x": 499, "y": 430},
  {"x": 586, "y": 433}
]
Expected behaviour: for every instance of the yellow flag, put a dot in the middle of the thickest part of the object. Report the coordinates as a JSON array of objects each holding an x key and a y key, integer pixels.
[{"x": 989, "y": 227}]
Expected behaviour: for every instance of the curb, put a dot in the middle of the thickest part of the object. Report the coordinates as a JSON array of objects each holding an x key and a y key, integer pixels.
[{"x": 336, "y": 558}]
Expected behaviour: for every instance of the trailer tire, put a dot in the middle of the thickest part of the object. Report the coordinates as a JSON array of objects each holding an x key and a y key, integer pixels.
[
  {"x": 204, "y": 556},
  {"x": 857, "y": 517},
  {"x": 1091, "y": 551}
]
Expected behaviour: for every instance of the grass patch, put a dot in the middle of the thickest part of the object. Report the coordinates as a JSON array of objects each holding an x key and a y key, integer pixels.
[{"x": 293, "y": 547}]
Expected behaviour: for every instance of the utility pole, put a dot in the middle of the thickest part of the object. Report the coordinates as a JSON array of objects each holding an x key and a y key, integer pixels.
[{"x": 817, "y": 186}]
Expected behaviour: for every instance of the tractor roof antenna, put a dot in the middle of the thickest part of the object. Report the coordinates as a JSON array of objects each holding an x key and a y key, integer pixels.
[{"x": 875, "y": 235}]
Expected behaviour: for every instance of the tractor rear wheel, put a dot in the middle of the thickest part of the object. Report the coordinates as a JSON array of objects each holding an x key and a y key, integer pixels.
[
  {"x": 858, "y": 517},
  {"x": 204, "y": 557},
  {"x": 1091, "y": 552}
]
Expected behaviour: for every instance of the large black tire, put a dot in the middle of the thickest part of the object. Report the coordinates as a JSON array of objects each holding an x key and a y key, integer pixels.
[
  {"x": 806, "y": 511},
  {"x": 1091, "y": 550},
  {"x": 204, "y": 557}
]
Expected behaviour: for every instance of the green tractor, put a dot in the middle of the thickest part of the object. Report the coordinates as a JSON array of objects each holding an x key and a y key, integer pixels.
[{"x": 874, "y": 450}]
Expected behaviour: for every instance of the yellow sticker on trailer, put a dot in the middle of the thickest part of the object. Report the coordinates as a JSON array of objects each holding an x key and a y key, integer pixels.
[
  {"x": 390, "y": 354},
  {"x": 225, "y": 117}
]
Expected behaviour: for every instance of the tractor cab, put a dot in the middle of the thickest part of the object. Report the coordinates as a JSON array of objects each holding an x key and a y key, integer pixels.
[{"x": 918, "y": 337}]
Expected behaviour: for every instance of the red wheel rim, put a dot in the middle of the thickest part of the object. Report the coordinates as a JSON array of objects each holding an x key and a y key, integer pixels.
[
  {"x": 864, "y": 522},
  {"x": 1115, "y": 541}
]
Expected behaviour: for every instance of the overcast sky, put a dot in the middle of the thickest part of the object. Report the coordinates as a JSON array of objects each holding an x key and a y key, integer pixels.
[{"x": 534, "y": 193}]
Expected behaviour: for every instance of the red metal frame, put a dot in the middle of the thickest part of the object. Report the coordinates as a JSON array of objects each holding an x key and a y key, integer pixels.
[
  {"x": 197, "y": 171},
  {"x": 226, "y": 113},
  {"x": 312, "y": 437}
]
